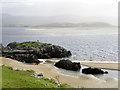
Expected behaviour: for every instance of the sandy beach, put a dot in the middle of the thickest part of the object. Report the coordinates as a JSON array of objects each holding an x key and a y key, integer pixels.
[
  {"x": 103, "y": 65},
  {"x": 81, "y": 81}
]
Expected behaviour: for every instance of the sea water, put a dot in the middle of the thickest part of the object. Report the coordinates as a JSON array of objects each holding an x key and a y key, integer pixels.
[{"x": 97, "y": 44}]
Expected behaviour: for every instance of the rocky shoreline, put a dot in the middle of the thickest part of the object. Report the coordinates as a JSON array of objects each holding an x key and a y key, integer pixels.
[
  {"x": 76, "y": 66},
  {"x": 31, "y": 51},
  {"x": 81, "y": 80}
]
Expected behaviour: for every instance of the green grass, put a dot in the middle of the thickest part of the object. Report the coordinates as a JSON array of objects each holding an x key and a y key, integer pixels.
[
  {"x": 31, "y": 43},
  {"x": 28, "y": 44},
  {"x": 24, "y": 79},
  {"x": 0, "y": 77}
]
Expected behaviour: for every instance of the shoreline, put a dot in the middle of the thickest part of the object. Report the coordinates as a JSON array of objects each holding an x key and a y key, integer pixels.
[
  {"x": 102, "y": 65},
  {"x": 49, "y": 71},
  {"x": 110, "y": 65}
]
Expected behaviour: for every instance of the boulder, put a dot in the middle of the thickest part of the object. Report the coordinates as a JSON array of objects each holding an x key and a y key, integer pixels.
[
  {"x": 106, "y": 72},
  {"x": 93, "y": 71},
  {"x": 68, "y": 65},
  {"x": 38, "y": 75}
]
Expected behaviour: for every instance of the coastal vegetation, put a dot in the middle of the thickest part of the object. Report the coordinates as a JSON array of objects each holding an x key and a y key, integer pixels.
[{"x": 25, "y": 79}]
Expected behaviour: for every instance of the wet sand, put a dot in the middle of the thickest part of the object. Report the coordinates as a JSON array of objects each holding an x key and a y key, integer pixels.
[
  {"x": 81, "y": 81},
  {"x": 103, "y": 65}
]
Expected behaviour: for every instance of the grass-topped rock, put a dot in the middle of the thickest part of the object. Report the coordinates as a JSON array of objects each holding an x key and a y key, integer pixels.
[{"x": 31, "y": 51}]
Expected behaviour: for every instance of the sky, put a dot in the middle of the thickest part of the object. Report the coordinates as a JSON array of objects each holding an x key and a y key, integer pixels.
[{"x": 86, "y": 8}]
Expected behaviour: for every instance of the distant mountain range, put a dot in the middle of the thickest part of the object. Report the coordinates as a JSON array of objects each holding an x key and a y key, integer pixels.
[
  {"x": 93, "y": 24},
  {"x": 54, "y": 21}
]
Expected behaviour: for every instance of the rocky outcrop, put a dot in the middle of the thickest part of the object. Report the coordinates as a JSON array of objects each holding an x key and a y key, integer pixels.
[
  {"x": 30, "y": 52},
  {"x": 93, "y": 71},
  {"x": 68, "y": 65},
  {"x": 26, "y": 58},
  {"x": 1, "y": 47},
  {"x": 41, "y": 50}
]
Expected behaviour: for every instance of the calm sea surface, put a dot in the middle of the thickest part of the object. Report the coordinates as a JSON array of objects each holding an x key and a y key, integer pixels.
[{"x": 85, "y": 44}]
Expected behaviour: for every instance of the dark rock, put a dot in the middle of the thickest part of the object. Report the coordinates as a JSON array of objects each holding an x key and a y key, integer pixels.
[
  {"x": 106, "y": 72},
  {"x": 68, "y": 65},
  {"x": 76, "y": 66},
  {"x": 38, "y": 75},
  {"x": 41, "y": 50},
  {"x": 1, "y": 48},
  {"x": 26, "y": 58},
  {"x": 26, "y": 51},
  {"x": 93, "y": 71},
  {"x": 12, "y": 45}
]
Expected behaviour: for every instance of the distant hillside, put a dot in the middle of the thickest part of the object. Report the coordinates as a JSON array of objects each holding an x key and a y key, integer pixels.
[
  {"x": 56, "y": 21},
  {"x": 93, "y": 24}
]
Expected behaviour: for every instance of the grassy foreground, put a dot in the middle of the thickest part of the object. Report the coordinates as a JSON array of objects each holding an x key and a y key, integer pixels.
[{"x": 24, "y": 79}]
